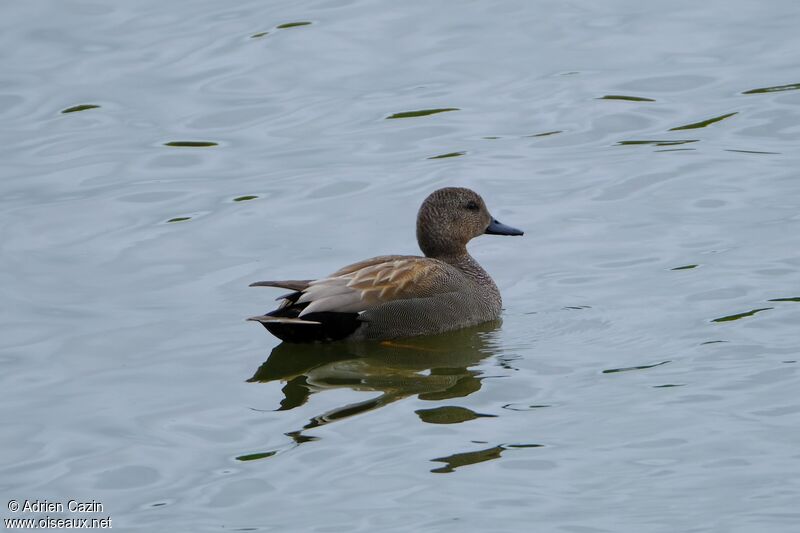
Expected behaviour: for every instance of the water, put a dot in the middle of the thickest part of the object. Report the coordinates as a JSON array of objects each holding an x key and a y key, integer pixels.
[{"x": 630, "y": 386}]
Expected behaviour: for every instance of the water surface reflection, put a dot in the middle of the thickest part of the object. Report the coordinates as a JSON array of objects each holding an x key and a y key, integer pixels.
[{"x": 432, "y": 368}]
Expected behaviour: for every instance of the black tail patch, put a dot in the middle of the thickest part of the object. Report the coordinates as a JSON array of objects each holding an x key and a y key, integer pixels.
[{"x": 332, "y": 326}]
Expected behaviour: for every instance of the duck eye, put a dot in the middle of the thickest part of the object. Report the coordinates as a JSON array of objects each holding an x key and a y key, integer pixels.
[{"x": 472, "y": 206}]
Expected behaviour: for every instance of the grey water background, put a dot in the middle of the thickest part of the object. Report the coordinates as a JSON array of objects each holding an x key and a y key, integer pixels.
[{"x": 644, "y": 377}]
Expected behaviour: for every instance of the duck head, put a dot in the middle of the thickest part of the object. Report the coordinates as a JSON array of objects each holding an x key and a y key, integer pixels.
[{"x": 449, "y": 218}]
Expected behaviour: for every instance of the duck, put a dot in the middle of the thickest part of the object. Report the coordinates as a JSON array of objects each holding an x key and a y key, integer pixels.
[{"x": 396, "y": 296}]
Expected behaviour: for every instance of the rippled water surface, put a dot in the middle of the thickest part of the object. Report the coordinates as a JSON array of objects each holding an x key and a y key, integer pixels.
[{"x": 157, "y": 157}]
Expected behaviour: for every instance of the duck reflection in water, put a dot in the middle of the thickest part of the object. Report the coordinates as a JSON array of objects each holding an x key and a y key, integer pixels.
[{"x": 433, "y": 368}]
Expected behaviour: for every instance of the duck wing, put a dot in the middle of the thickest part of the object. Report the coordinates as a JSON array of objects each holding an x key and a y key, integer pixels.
[{"x": 367, "y": 284}]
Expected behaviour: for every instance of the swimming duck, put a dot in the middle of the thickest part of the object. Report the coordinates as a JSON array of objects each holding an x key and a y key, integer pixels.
[{"x": 394, "y": 296}]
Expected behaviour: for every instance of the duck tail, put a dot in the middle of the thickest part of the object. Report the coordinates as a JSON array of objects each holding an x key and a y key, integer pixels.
[
  {"x": 292, "y": 284},
  {"x": 316, "y": 327},
  {"x": 285, "y": 323},
  {"x": 267, "y": 319}
]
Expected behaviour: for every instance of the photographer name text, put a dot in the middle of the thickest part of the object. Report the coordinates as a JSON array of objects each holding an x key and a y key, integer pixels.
[{"x": 45, "y": 506}]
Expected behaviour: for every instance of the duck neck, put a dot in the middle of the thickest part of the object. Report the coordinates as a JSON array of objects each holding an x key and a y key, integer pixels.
[{"x": 469, "y": 266}]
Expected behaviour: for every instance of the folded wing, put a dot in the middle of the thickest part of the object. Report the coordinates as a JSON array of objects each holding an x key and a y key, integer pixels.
[{"x": 362, "y": 286}]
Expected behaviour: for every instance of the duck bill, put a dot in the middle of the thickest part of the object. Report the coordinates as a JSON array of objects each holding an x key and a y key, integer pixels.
[{"x": 498, "y": 228}]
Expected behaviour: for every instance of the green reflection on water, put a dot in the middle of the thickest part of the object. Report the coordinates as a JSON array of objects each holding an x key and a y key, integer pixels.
[
  {"x": 457, "y": 460},
  {"x": 775, "y": 89},
  {"x": 179, "y": 219},
  {"x": 190, "y": 144},
  {"x": 628, "y": 98},
  {"x": 685, "y": 267},
  {"x": 83, "y": 107},
  {"x": 292, "y": 25},
  {"x": 545, "y": 134},
  {"x": 260, "y": 34},
  {"x": 703, "y": 123},
  {"x": 731, "y": 318},
  {"x": 245, "y": 198},
  {"x": 449, "y": 414},
  {"x": 629, "y": 368},
  {"x": 459, "y": 389},
  {"x": 451, "y": 154},
  {"x": 752, "y": 152},
  {"x": 658, "y": 142},
  {"x": 422, "y": 112},
  {"x": 792, "y": 299},
  {"x": 432, "y": 368},
  {"x": 255, "y": 456}
]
